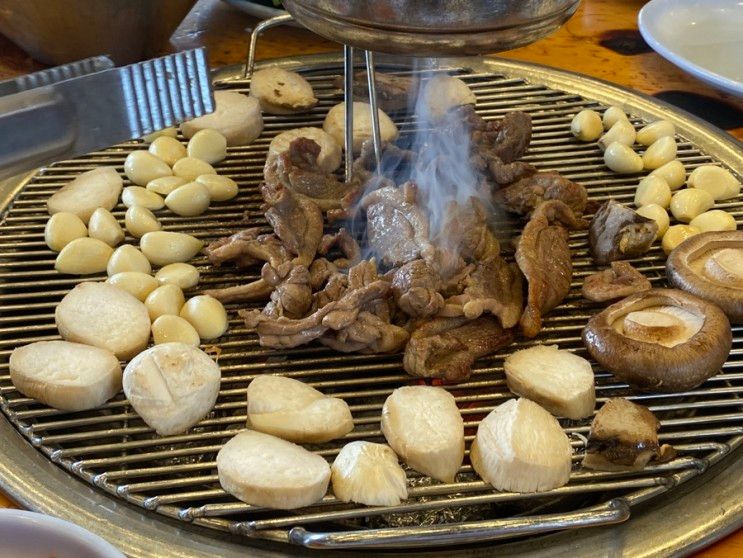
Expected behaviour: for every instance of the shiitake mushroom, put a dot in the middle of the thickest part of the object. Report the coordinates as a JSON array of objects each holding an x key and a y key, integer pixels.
[{"x": 661, "y": 340}]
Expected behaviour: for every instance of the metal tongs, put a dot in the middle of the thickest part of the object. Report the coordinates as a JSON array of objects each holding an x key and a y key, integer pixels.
[{"x": 70, "y": 110}]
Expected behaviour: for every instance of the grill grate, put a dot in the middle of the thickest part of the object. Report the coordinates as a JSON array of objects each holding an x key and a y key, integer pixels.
[{"x": 176, "y": 476}]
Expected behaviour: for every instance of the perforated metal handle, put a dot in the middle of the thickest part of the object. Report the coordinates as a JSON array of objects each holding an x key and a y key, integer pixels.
[{"x": 613, "y": 511}]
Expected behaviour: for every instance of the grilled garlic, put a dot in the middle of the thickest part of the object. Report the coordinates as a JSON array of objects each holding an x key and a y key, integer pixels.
[
  {"x": 136, "y": 195},
  {"x": 621, "y": 132},
  {"x": 140, "y": 220},
  {"x": 165, "y": 299},
  {"x": 612, "y": 115},
  {"x": 165, "y": 132},
  {"x": 207, "y": 315},
  {"x": 651, "y": 133},
  {"x": 168, "y": 149},
  {"x": 208, "y": 145},
  {"x": 659, "y": 153},
  {"x": 62, "y": 228},
  {"x": 163, "y": 247},
  {"x": 190, "y": 168},
  {"x": 105, "y": 227},
  {"x": 687, "y": 204},
  {"x": 653, "y": 190},
  {"x": 221, "y": 188},
  {"x": 675, "y": 235},
  {"x": 586, "y": 125},
  {"x": 127, "y": 258},
  {"x": 622, "y": 159},
  {"x": 182, "y": 274},
  {"x": 188, "y": 200},
  {"x": 83, "y": 256},
  {"x": 142, "y": 166},
  {"x": 658, "y": 214},
  {"x": 174, "y": 329},
  {"x": 673, "y": 173},
  {"x": 136, "y": 283},
  {"x": 714, "y": 220},
  {"x": 165, "y": 184},
  {"x": 719, "y": 182}
]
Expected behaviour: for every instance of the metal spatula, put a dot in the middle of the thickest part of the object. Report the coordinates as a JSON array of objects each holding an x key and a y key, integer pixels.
[{"x": 73, "y": 109}]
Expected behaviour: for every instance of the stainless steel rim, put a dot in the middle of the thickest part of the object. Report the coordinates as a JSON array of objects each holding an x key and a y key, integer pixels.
[{"x": 33, "y": 492}]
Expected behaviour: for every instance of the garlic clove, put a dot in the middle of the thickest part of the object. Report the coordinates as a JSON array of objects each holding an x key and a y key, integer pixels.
[
  {"x": 662, "y": 151},
  {"x": 621, "y": 132},
  {"x": 622, "y": 159},
  {"x": 653, "y": 190},
  {"x": 673, "y": 173},
  {"x": 657, "y": 214},
  {"x": 675, "y": 235},
  {"x": 651, "y": 133},
  {"x": 687, "y": 204},
  {"x": 719, "y": 182},
  {"x": 586, "y": 125}
]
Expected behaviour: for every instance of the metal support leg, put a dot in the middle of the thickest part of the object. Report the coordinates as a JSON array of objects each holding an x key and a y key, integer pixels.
[
  {"x": 260, "y": 28},
  {"x": 376, "y": 136},
  {"x": 348, "y": 98}
]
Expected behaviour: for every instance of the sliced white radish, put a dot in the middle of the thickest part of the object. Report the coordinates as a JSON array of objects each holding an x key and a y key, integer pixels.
[
  {"x": 330, "y": 151},
  {"x": 263, "y": 470},
  {"x": 236, "y": 116},
  {"x": 520, "y": 447},
  {"x": 281, "y": 91},
  {"x": 424, "y": 427},
  {"x": 368, "y": 473},
  {"x": 100, "y": 187},
  {"x": 441, "y": 94},
  {"x": 294, "y": 411}
]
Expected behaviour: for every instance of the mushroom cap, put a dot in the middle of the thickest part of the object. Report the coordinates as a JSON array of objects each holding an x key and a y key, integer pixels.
[
  {"x": 652, "y": 366},
  {"x": 681, "y": 274}
]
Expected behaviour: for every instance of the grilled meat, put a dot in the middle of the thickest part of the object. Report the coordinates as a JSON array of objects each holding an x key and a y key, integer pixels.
[
  {"x": 618, "y": 282},
  {"x": 394, "y": 93},
  {"x": 246, "y": 248},
  {"x": 506, "y": 139},
  {"x": 292, "y": 294},
  {"x": 345, "y": 243},
  {"x": 524, "y": 195},
  {"x": 618, "y": 232},
  {"x": 416, "y": 288},
  {"x": 543, "y": 256},
  {"x": 250, "y": 292},
  {"x": 466, "y": 231}
]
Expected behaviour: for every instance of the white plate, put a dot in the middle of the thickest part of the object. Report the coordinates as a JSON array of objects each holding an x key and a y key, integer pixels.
[
  {"x": 702, "y": 37},
  {"x": 25, "y": 534},
  {"x": 256, "y": 10}
]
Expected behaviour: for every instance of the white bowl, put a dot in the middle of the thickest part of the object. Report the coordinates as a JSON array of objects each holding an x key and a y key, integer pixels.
[
  {"x": 25, "y": 534},
  {"x": 702, "y": 37}
]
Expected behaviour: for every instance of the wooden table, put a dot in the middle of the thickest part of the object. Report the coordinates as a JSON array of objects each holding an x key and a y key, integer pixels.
[{"x": 600, "y": 40}]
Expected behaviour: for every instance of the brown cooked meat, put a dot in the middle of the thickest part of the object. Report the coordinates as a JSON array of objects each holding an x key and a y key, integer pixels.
[
  {"x": 506, "y": 139},
  {"x": 527, "y": 193},
  {"x": 292, "y": 293},
  {"x": 345, "y": 243},
  {"x": 543, "y": 255},
  {"x": 618, "y": 282},
  {"x": 416, "y": 288},
  {"x": 246, "y": 248},
  {"x": 466, "y": 231},
  {"x": 446, "y": 348},
  {"x": 617, "y": 232},
  {"x": 394, "y": 93}
]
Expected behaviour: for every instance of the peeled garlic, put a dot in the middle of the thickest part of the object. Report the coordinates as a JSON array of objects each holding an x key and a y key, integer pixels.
[
  {"x": 83, "y": 256},
  {"x": 162, "y": 247},
  {"x": 174, "y": 329},
  {"x": 135, "y": 283},
  {"x": 673, "y": 173},
  {"x": 136, "y": 195},
  {"x": 208, "y": 145},
  {"x": 653, "y": 189},
  {"x": 586, "y": 125},
  {"x": 142, "y": 166},
  {"x": 657, "y": 214},
  {"x": 188, "y": 200},
  {"x": 182, "y": 274},
  {"x": 675, "y": 235},
  {"x": 661, "y": 152},
  {"x": 127, "y": 258},
  {"x": 165, "y": 299},
  {"x": 687, "y": 204},
  {"x": 190, "y": 168},
  {"x": 207, "y": 315},
  {"x": 62, "y": 228},
  {"x": 140, "y": 220},
  {"x": 104, "y": 226},
  {"x": 717, "y": 181},
  {"x": 166, "y": 184},
  {"x": 168, "y": 149},
  {"x": 621, "y": 132},
  {"x": 165, "y": 132},
  {"x": 620, "y": 158},
  {"x": 612, "y": 115},
  {"x": 221, "y": 188},
  {"x": 651, "y": 133},
  {"x": 714, "y": 220}
]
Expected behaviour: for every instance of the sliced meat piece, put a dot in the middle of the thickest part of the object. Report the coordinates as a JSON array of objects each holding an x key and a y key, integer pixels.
[
  {"x": 297, "y": 169},
  {"x": 416, "y": 288},
  {"x": 507, "y": 138},
  {"x": 396, "y": 227},
  {"x": 251, "y": 292},
  {"x": 527, "y": 193},
  {"x": 618, "y": 232},
  {"x": 344, "y": 242},
  {"x": 292, "y": 294},
  {"x": 447, "y": 347},
  {"x": 320, "y": 271},
  {"x": 394, "y": 93},
  {"x": 506, "y": 173},
  {"x": 492, "y": 287},
  {"x": 543, "y": 256},
  {"x": 466, "y": 231},
  {"x": 367, "y": 334},
  {"x": 246, "y": 248},
  {"x": 295, "y": 220},
  {"x": 618, "y": 282}
]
